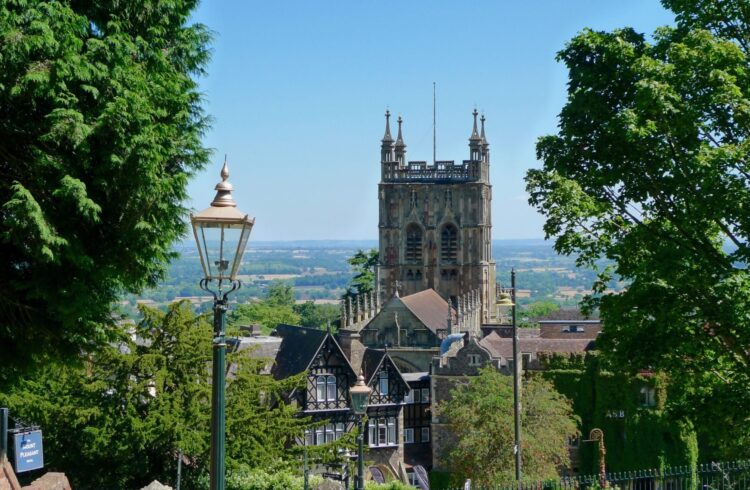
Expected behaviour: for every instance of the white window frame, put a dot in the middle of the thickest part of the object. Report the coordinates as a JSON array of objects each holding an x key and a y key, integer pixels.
[
  {"x": 326, "y": 389},
  {"x": 409, "y": 397},
  {"x": 424, "y": 435},
  {"x": 382, "y": 432},
  {"x": 409, "y": 435},
  {"x": 425, "y": 395},
  {"x": 332, "y": 389},
  {"x": 475, "y": 360},
  {"x": 383, "y": 382},
  {"x": 417, "y": 395}
]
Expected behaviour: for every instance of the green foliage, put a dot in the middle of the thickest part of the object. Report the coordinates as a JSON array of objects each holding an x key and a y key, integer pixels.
[
  {"x": 636, "y": 436},
  {"x": 129, "y": 408},
  {"x": 363, "y": 264},
  {"x": 651, "y": 170},
  {"x": 535, "y": 310},
  {"x": 478, "y": 416},
  {"x": 317, "y": 315},
  {"x": 276, "y": 308},
  {"x": 393, "y": 485},
  {"x": 100, "y": 129}
]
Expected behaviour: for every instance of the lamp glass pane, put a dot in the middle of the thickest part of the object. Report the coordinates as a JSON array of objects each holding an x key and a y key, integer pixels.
[
  {"x": 359, "y": 402},
  {"x": 218, "y": 245}
]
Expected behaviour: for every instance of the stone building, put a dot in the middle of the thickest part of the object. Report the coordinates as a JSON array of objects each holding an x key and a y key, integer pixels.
[{"x": 435, "y": 227}]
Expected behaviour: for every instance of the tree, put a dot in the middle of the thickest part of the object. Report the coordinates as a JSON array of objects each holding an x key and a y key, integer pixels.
[
  {"x": 534, "y": 310},
  {"x": 131, "y": 408},
  {"x": 317, "y": 315},
  {"x": 651, "y": 170},
  {"x": 100, "y": 129},
  {"x": 277, "y": 307},
  {"x": 479, "y": 415},
  {"x": 363, "y": 265}
]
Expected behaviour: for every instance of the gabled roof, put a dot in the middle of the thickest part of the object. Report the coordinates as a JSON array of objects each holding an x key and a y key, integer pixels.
[
  {"x": 430, "y": 308},
  {"x": 566, "y": 315},
  {"x": 299, "y": 347},
  {"x": 372, "y": 361},
  {"x": 503, "y": 346}
]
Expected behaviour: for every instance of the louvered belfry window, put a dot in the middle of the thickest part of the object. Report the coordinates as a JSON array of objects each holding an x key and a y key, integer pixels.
[
  {"x": 449, "y": 244},
  {"x": 414, "y": 244}
]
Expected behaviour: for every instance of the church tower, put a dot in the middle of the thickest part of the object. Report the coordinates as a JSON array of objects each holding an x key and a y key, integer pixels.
[{"x": 435, "y": 228}]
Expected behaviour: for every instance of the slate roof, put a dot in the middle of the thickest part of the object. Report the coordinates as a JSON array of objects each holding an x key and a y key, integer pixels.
[
  {"x": 503, "y": 346},
  {"x": 260, "y": 347},
  {"x": 371, "y": 362},
  {"x": 298, "y": 348},
  {"x": 430, "y": 308},
  {"x": 566, "y": 315}
]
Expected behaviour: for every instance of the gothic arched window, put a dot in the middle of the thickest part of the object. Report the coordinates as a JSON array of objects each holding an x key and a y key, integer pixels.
[
  {"x": 449, "y": 244},
  {"x": 414, "y": 244}
]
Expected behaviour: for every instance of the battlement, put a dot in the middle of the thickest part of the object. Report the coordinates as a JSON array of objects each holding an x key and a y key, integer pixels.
[{"x": 443, "y": 171}]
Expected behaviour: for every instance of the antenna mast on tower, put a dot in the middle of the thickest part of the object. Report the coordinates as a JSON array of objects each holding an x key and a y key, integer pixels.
[{"x": 434, "y": 139}]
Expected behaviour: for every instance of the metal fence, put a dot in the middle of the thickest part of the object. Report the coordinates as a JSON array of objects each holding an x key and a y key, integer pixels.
[{"x": 733, "y": 475}]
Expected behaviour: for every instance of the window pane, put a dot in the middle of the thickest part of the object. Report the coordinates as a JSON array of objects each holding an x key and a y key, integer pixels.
[
  {"x": 371, "y": 436},
  {"x": 425, "y": 434},
  {"x": 392, "y": 431},
  {"x": 332, "y": 388},
  {"x": 425, "y": 395},
  {"x": 417, "y": 394},
  {"x": 320, "y": 388},
  {"x": 408, "y": 435},
  {"x": 383, "y": 388}
]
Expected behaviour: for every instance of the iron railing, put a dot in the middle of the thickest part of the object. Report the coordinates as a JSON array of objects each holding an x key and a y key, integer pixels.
[{"x": 733, "y": 475}]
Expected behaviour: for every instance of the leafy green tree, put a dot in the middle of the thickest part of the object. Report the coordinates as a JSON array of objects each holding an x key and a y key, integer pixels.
[
  {"x": 480, "y": 417},
  {"x": 651, "y": 169},
  {"x": 277, "y": 307},
  {"x": 317, "y": 315},
  {"x": 100, "y": 129},
  {"x": 535, "y": 310},
  {"x": 131, "y": 408},
  {"x": 363, "y": 264},
  {"x": 280, "y": 293}
]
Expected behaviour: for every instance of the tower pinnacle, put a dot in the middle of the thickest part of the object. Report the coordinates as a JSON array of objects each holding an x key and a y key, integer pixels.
[
  {"x": 474, "y": 132},
  {"x": 387, "y": 136}
]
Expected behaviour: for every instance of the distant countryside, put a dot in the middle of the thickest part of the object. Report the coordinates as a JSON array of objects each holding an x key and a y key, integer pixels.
[{"x": 319, "y": 272}]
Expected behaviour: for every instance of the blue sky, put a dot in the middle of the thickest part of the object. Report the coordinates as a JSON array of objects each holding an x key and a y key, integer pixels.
[{"x": 297, "y": 91}]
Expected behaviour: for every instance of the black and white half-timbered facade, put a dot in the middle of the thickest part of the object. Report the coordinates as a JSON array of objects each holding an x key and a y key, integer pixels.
[
  {"x": 329, "y": 376},
  {"x": 325, "y": 397},
  {"x": 385, "y": 421}
]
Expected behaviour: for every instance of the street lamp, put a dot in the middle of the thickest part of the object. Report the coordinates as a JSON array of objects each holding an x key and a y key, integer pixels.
[
  {"x": 221, "y": 233},
  {"x": 360, "y": 395},
  {"x": 505, "y": 300},
  {"x": 597, "y": 435}
]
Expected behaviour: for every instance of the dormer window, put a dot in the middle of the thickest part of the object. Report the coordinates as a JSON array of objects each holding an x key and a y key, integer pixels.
[
  {"x": 383, "y": 382},
  {"x": 573, "y": 329},
  {"x": 475, "y": 360}
]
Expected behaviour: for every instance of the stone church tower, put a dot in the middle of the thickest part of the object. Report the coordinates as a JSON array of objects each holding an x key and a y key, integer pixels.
[{"x": 435, "y": 228}]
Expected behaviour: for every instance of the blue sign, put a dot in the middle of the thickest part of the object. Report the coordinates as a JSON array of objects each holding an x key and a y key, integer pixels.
[{"x": 29, "y": 454}]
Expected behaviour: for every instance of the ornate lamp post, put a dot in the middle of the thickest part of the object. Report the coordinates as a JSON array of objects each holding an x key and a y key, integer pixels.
[
  {"x": 597, "y": 435},
  {"x": 221, "y": 234},
  {"x": 504, "y": 300},
  {"x": 360, "y": 395}
]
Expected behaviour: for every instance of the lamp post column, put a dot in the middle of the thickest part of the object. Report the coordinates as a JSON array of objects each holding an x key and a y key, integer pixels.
[
  {"x": 361, "y": 454},
  {"x": 218, "y": 473},
  {"x": 516, "y": 397}
]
